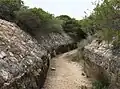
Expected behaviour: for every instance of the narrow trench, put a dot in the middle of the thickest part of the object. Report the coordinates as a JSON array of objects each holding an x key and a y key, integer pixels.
[{"x": 66, "y": 74}]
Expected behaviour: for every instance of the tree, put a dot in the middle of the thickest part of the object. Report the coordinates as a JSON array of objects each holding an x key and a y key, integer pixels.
[
  {"x": 72, "y": 27},
  {"x": 4, "y": 12},
  {"x": 44, "y": 16},
  {"x": 104, "y": 20},
  {"x": 28, "y": 20},
  {"x": 13, "y": 5},
  {"x": 7, "y": 8},
  {"x": 88, "y": 25},
  {"x": 107, "y": 16},
  {"x": 36, "y": 21}
]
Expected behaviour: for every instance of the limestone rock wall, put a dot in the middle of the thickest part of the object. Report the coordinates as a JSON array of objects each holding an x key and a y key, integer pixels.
[
  {"x": 24, "y": 62},
  {"x": 106, "y": 60},
  {"x": 53, "y": 40}
]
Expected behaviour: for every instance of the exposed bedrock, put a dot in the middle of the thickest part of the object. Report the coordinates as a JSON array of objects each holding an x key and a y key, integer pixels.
[
  {"x": 23, "y": 61},
  {"x": 103, "y": 63}
]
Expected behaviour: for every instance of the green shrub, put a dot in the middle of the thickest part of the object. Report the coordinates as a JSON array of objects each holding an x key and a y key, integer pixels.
[
  {"x": 36, "y": 21},
  {"x": 100, "y": 85},
  {"x": 8, "y": 7},
  {"x": 72, "y": 27}
]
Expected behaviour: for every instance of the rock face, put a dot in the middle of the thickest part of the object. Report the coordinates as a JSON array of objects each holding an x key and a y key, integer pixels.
[
  {"x": 57, "y": 40},
  {"x": 24, "y": 62},
  {"x": 60, "y": 42},
  {"x": 104, "y": 61}
]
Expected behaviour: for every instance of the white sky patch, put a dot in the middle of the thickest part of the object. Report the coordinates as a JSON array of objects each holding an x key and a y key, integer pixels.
[{"x": 73, "y": 8}]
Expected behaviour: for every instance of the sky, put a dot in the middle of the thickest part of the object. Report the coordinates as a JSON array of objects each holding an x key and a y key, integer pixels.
[{"x": 72, "y": 8}]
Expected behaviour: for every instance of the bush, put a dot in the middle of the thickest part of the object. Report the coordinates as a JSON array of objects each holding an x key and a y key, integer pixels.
[
  {"x": 36, "y": 21},
  {"x": 100, "y": 85},
  {"x": 28, "y": 20},
  {"x": 31, "y": 22},
  {"x": 72, "y": 27},
  {"x": 8, "y": 7},
  {"x": 5, "y": 12}
]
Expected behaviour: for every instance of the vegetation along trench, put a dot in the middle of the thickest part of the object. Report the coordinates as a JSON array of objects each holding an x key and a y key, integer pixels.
[{"x": 30, "y": 37}]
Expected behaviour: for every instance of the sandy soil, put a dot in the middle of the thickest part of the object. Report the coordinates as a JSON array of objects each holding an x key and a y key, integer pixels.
[{"x": 67, "y": 74}]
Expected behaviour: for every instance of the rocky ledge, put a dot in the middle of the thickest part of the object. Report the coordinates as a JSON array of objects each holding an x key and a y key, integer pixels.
[
  {"x": 103, "y": 62},
  {"x": 24, "y": 62}
]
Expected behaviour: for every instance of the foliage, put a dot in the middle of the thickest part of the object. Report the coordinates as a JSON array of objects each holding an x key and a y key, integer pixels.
[
  {"x": 44, "y": 16},
  {"x": 64, "y": 17},
  {"x": 36, "y": 21},
  {"x": 4, "y": 12},
  {"x": 32, "y": 20},
  {"x": 28, "y": 20},
  {"x": 88, "y": 25},
  {"x": 107, "y": 17},
  {"x": 100, "y": 85},
  {"x": 14, "y": 5},
  {"x": 107, "y": 14},
  {"x": 7, "y": 8},
  {"x": 104, "y": 21},
  {"x": 72, "y": 27},
  {"x": 81, "y": 46}
]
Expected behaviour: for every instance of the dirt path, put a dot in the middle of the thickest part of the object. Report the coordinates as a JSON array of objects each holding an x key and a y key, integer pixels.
[{"x": 67, "y": 74}]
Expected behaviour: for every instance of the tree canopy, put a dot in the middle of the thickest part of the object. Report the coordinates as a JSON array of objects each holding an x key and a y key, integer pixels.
[
  {"x": 8, "y": 7},
  {"x": 36, "y": 21},
  {"x": 72, "y": 27},
  {"x": 104, "y": 21}
]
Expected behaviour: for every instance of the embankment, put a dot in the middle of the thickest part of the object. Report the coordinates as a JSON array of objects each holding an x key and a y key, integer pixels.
[
  {"x": 103, "y": 63},
  {"x": 24, "y": 61}
]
